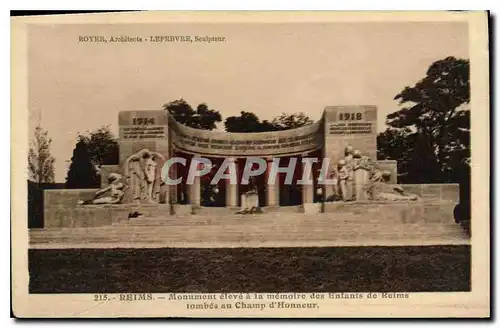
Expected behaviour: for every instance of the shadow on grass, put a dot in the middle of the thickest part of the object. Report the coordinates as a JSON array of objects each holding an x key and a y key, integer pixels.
[{"x": 321, "y": 269}]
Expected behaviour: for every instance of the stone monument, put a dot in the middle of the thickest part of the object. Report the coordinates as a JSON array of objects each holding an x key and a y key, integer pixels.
[{"x": 346, "y": 136}]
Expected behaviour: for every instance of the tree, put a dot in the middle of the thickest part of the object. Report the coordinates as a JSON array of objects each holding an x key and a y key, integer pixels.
[
  {"x": 397, "y": 144},
  {"x": 436, "y": 117},
  {"x": 40, "y": 161},
  {"x": 102, "y": 147},
  {"x": 82, "y": 173},
  {"x": 201, "y": 118},
  {"x": 291, "y": 121},
  {"x": 249, "y": 122}
]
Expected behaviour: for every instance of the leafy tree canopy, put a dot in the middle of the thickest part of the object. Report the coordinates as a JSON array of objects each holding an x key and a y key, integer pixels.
[
  {"x": 249, "y": 122},
  {"x": 102, "y": 146},
  {"x": 201, "y": 118},
  {"x": 291, "y": 121},
  {"x": 430, "y": 135}
]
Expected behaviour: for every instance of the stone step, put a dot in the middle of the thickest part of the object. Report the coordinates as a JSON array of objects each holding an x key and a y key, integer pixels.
[
  {"x": 261, "y": 227},
  {"x": 201, "y": 235},
  {"x": 247, "y": 225},
  {"x": 288, "y": 234},
  {"x": 305, "y": 239},
  {"x": 344, "y": 219},
  {"x": 283, "y": 228}
]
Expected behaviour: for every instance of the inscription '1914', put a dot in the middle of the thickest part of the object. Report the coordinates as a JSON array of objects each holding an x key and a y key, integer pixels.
[{"x": 143, "y": 121}]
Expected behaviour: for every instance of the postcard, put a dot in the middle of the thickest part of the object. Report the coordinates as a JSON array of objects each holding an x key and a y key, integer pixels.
[{"x": 250, "y": 164}]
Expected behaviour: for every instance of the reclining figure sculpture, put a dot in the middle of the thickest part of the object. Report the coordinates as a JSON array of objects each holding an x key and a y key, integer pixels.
[{"x": 115, "y": 190}]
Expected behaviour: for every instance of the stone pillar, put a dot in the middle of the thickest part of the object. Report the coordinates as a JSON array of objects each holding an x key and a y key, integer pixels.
[
  {"x": 165, "y": 190},
  {"x": 232, "y": 189},
  {"x": 307, "y": 189},
  {"x": 272, "y": 190},
  {"x": 195, "y": 191},
  {"x": 172, "y": 199}
]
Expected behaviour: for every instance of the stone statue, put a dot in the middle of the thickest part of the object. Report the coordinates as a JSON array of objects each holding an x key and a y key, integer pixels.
[
  {"x": 142, "y": 170},
  {"x": 149, "y": 168},
  {"x": 136, "y": 177},
  {"x": 399, "y": 193},
  {"x": 115, "y": 190},
  {"x": 335, "y": 185},
  {"x": 343, "y": 177},
  {"x": 362, "y": 166},
  {"x": 349, "y": 166}
]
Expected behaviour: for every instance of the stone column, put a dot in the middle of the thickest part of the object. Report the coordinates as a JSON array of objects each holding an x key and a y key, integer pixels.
[
  {"x": 195, "y": 191},
  {"x": 231, "y": 189},
  {"x": 272, "y": 194},
  {"x": 307, "y": 189},
  {"x": 172, "y": 190}
]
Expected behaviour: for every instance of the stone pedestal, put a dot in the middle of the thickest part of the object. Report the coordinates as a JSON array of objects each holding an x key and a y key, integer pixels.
[
  {"x": 249, "y": 201},
  {"x": 361, "y": 180}
]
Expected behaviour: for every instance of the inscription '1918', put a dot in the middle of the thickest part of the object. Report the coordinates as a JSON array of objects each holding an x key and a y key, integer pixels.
[{"x": 350, "y": 116}]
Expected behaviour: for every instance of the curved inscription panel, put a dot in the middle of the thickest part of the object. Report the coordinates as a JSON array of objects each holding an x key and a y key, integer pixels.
[{"x": 276, "y": 143}]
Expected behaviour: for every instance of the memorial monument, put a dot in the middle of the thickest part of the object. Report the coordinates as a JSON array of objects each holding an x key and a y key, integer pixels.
[{"x": 340, "y": 148}]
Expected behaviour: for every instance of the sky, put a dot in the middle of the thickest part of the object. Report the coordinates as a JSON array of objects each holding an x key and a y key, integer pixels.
[{"x": 74, "y": 87}]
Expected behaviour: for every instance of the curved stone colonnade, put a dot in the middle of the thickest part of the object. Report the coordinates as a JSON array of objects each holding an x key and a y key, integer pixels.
[
  {"x": 233, "y": 146},
  {"x": 262, "y": 144}
]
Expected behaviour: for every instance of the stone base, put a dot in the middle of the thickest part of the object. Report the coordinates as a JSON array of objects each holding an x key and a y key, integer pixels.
[
  {"x": 312, "y": 208},
  {"x": 420, "y": 211},
  {"x": 178, "y": 209},
  {"x": 97, "y": 215}
]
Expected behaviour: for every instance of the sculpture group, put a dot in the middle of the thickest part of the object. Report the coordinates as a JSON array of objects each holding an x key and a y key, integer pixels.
[
  {"x": 356, "y": 177},
  {"x": 142, "y": 177}
]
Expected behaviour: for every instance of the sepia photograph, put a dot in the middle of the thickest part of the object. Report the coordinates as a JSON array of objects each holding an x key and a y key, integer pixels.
[{"x": 236, "y": 164}]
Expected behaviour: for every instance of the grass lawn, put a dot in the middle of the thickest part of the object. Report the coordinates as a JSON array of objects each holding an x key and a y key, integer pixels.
[{"x": 311, "y": 269}]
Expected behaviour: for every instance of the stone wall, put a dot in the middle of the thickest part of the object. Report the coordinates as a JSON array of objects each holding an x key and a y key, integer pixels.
[
  {"x": 396, "y": 212},
  {"x": 60, "y": 208},
  {"x": 80, "y": 216},
  {"x": 87, "y": 215},
  {"x": 62, "y": 211},
  {"x": 67, "y": 197}
]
